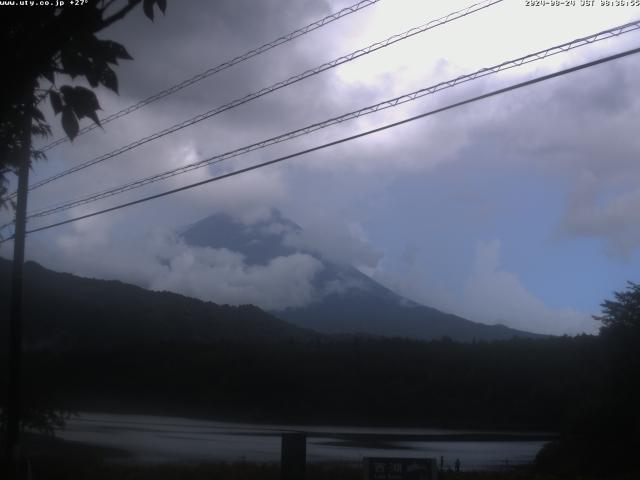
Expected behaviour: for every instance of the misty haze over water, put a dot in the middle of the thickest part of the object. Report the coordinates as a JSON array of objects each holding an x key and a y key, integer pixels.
[{"x": 155, "y": 439}]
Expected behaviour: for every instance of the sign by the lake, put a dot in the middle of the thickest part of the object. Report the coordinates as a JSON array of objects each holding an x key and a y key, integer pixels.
[{"x": 378, "y": 468}]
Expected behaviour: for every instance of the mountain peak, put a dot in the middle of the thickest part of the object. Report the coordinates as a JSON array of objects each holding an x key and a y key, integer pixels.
[
  {"x": 343, "y": 299},
  {"x": 259, "y": 241}
]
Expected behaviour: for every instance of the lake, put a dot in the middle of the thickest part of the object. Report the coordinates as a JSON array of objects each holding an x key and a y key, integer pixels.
[{"x": 155, "y": 439}]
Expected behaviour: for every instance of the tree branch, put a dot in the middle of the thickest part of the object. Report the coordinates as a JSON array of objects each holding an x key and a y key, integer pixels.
[
  {"x": 107, "y": 4},
  {"x": 119, "y": 15}
]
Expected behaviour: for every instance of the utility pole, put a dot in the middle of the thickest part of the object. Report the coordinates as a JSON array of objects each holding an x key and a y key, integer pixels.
[{"x": 14, "y": 402}]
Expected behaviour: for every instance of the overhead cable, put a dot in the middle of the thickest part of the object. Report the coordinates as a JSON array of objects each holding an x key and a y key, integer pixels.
[
  {"x": 342, "y": 140},
  {"x": 408, "y": 97},
  {"x": 219, "y": 68},
  {"x": 276, "y": 86}
]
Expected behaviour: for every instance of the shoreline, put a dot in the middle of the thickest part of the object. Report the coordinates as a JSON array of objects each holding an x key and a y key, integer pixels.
[
  {"x": 152, "y": 439},
  {"x": 58, "y": 459},
  {"x": 445, "y": 432}
]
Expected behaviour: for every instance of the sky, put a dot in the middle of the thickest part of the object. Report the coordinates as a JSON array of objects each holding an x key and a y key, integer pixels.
[{"x": 522, "y": 209}]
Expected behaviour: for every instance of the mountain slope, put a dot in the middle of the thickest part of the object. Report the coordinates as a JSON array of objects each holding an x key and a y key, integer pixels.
[
  {"x": 345, "y": 301},
  {"x": 63, "y": 310},
  {"x": 375, "y": 310}
]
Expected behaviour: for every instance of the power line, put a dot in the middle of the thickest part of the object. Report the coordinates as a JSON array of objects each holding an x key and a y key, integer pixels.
[
  {"x": 540, "y": 55},
  {"x": 219, "y": 68},
  {"x": 277, "y": 86},
  {"x": 345, "y": 139}
]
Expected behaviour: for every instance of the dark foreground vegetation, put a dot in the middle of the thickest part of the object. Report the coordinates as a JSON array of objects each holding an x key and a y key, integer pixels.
[
  {"x": 532, "y": 384},
  {"x": 585, "y": 387},
  {"x": 58, "y": 460},
  {"x": 53, "y": 459},
  {"x": 222, "y": 471},
  {"x": 572, "y": 385}
]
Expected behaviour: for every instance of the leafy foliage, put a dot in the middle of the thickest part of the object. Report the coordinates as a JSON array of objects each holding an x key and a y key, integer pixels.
[
  {"x": 40, "y": 45},
  {"x": 603, "y": 436},
  {"x": 75, "y": 103},
  {"x": 623, "y": 312}
]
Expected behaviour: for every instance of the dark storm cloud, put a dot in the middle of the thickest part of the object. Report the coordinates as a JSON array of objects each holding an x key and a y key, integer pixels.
[
  {"x": 201, "y": 34},
  {"x": 585, "y": 123}
]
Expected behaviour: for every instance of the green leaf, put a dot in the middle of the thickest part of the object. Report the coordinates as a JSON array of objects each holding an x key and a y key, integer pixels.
[
  {"x": 73, "y": 63},
  {"x": 97, "y": 51},
  {"x": 93, "y": 78},
  {"x": 86, "y": 97},
  {"x": 67, "y": 93},
  {"x": 94, "y": 116},
  {"x": 117, "y": 50},
  {"x": 108, "y": 79},
  {"x": 41, "y": 130},
  {"x": 56, "y": 102},
  {"x": 101, "y": 52},
  {"x": 70, "y": 123},
  {"x": 84, "y": 103},
  {"x": 147, "y": 6}
]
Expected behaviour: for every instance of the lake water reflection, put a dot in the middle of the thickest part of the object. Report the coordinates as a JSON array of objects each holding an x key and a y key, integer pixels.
[{"x": 153, "y": 439}]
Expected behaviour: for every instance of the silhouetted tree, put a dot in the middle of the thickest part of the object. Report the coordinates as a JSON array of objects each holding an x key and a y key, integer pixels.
[
  {"x": 620, "y": 334},
  {"x": 38, "y": 45},
  {"x": 623, "y": 313},
  {"x": 604, "y": 436}
]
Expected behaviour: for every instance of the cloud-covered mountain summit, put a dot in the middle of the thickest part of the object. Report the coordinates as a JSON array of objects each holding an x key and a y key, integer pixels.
[
  {"x": 337, "y": 298},
  {"x": 259, "y": 242}
]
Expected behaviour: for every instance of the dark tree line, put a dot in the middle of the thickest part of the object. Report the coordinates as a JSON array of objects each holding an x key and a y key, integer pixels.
[
  {"x": 603, "y": 435},
  {"x": 586, "y": 387},
  {"x": 531, "y": 384}
]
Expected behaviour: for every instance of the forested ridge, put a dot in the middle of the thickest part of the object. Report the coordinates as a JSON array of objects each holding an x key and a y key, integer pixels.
[
  {"x": 190, "y": 358},
  {"x": 530, "y": 384}
]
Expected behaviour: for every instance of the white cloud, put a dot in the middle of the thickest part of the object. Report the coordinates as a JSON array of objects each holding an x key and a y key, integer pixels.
[
  {"x": 222, "y": 276},
  {"x": 160, "y": 261},
  {"x": 613, "y": 218},
  {"x": 493, "y": 295},
  {"x": 586, "y": 121},
  {"x": 489, "y": 295},
  {"x": 335, "y": 240}
]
